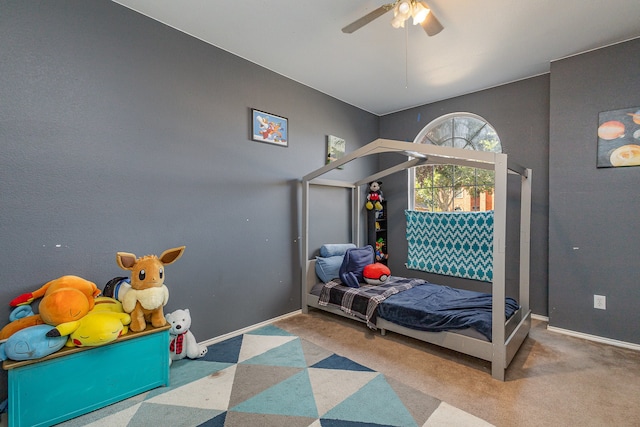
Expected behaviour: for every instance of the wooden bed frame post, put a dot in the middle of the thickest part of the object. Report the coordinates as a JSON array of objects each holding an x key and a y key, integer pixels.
[
  {"x": 355, "y": 216},
  {"x": 525, "y": 239},
  {"x": 499, "y": 364},
  {"x": 304, "y": 256}
]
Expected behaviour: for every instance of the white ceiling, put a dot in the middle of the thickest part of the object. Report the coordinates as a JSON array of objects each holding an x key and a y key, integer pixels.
[{"x": 381, "y": 69}]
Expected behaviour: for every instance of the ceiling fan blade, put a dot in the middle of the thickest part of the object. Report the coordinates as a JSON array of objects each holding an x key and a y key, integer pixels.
[
  {"x": 431, "y": 25},
  {"x": 359, "y": 23}
]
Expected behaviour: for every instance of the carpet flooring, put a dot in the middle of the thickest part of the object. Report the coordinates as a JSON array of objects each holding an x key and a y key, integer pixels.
[
  {"x": 554, "y": 379},
  {"x": 271, "y": 377}
]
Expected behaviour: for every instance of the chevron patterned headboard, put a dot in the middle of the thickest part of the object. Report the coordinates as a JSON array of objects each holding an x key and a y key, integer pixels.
[{"x": 451, "y": 243}]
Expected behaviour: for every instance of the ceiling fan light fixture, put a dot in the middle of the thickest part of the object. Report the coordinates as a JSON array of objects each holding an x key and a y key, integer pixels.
[
  {"x": 419, "y": 13},
  {"x": 401, "y": 12},
  {"x": 431, "y": 25},
  {"x": 404, "y": 8},
  {"x": 397, "y": 21}
]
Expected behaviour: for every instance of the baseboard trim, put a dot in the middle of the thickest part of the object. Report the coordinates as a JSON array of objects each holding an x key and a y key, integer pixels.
[
  {"x": 609, "y": 341},
  {"x": 562, "y": 331},
  {"x": 247, "y": 329},
  {"x": 540, "y": 317}
]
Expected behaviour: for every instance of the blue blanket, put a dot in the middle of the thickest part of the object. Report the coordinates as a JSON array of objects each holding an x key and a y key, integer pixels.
[
  {"x": 434, "y": 308},
  {"x": 415, "y": 304}
]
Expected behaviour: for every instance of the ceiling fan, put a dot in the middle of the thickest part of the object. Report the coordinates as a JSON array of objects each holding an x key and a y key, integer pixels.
[{"x": 402, "y": 11}]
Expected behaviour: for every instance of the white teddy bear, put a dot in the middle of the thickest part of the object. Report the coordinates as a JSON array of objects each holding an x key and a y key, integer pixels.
[{"x": 183, "y": 343}]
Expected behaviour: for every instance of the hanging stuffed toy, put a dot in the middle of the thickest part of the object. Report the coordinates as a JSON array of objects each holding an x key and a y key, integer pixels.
[{"x": 374, "y": 197}]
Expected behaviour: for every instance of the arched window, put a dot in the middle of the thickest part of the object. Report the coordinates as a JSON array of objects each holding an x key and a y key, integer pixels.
[{"x": 448, "y": 188}]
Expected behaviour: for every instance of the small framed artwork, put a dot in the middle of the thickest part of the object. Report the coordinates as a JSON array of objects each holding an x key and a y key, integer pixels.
[
  {"x": 336, "y": 148},
  {"x": 269, "y": 128},
  {"x": 619, "y": 138}
]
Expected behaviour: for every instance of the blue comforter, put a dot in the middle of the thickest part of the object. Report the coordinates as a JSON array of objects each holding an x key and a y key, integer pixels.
[{"x": 434, "y": 308}]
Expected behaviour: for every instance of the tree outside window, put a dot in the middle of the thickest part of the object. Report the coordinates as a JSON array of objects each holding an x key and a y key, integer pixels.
[{"x": 449, "y": 188}]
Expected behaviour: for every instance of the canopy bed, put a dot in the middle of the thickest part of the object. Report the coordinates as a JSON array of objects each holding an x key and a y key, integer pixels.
[{"x": 509, "y": 321}]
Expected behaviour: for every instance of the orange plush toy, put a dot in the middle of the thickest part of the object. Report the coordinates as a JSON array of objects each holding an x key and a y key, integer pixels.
[
  {"x": 64, "y": 299},
  {"x": 148, "y": 294}
]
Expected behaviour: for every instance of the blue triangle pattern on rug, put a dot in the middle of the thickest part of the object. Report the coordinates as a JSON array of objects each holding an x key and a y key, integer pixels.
[
  {"x": 226, "y": 351},
  {"x": 293, "y": 396},
  {"x": 344, "y": 423},
  {"x": 338, "y": 362},
  {"x": 362, "y": 407},
  {"x": 215, "y": 390},
  {"x": 215, "y": 422},
  {"x": 289, "y": 354}
]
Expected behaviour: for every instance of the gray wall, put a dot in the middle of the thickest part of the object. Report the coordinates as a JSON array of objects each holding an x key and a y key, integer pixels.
[
  {"x": 520, "y": 114},
  {"x": 118, "y": 133},
  {"x": 594, "y": 239}
]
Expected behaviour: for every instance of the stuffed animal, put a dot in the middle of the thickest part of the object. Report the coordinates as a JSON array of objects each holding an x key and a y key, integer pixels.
[
  {"x": 64, "y": 299},
  {"x": 380, "y": 255},
  {"x": 374, "y": 197},
  {"x": 183, "y": 343},
  {"x": 376, "y": 274},
  {"x": 116, "y": 288},
  {"x": 31, "y": 343},
  {"x": 148, "y": 294},
  {"x": 102, "y": 325},
  {"x": 20, "y": 318}
]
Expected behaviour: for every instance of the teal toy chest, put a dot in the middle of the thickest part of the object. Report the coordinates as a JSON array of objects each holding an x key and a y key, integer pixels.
[{"x": 74, "y": 381}]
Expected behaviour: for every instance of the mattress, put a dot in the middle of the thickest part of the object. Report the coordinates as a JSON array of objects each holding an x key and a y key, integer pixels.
[
  {"x": 424, "y": 306},
  {"x": 433, "y": 308}
]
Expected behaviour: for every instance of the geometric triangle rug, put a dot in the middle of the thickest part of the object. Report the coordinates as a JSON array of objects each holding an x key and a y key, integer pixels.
[{"x": 269, "y": 377}]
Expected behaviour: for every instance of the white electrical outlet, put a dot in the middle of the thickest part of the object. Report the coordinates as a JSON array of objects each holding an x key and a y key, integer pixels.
[{"x": 600, "y": 302}]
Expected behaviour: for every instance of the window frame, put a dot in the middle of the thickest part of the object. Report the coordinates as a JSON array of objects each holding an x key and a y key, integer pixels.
[{"x": 422, "y": 136}]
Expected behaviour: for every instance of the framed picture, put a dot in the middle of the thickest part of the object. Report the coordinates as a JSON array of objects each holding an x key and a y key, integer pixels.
[
  {"x": 619, "y": 138},
  {"x": 267, "y": 127},
  {"x": 336, "y": 148}
]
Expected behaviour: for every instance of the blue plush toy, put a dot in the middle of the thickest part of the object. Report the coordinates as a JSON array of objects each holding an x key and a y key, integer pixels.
[
  {"x": 31, "y": 343},
  {"x": 354, "y": 262}
]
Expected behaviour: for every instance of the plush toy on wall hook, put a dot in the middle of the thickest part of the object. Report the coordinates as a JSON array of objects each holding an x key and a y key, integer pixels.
[
  {"x": 148, "y": 294},
  {"x": 374, "y": 197}
]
